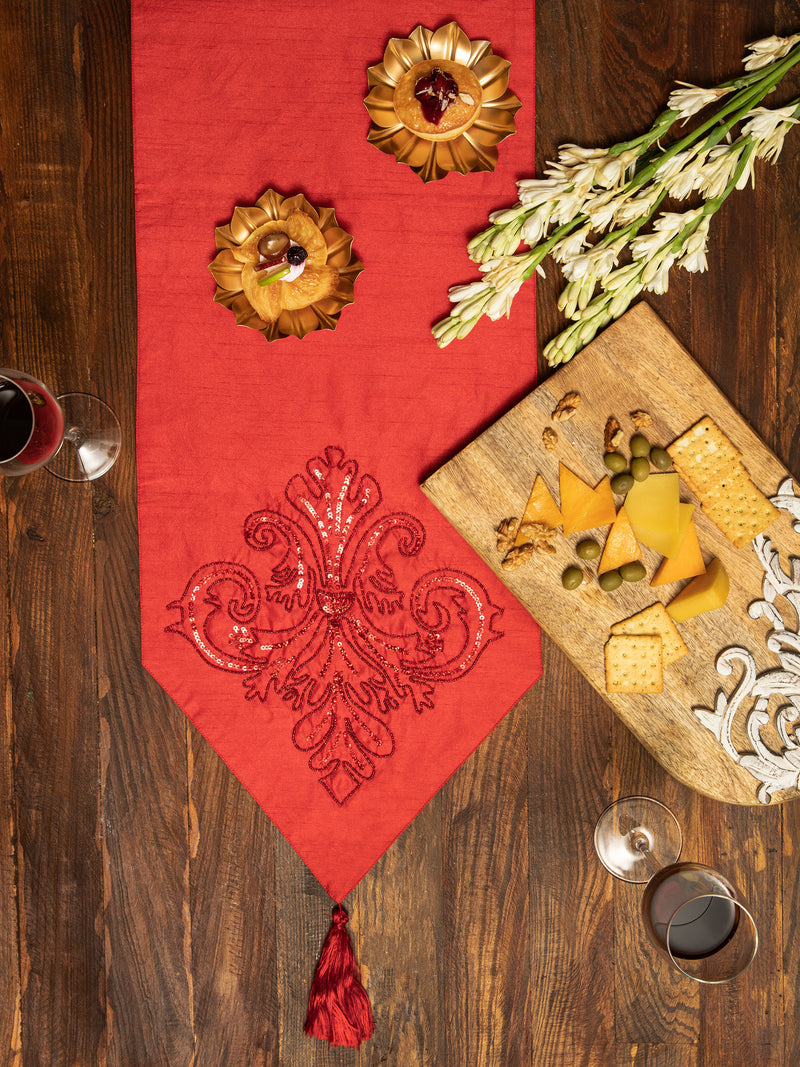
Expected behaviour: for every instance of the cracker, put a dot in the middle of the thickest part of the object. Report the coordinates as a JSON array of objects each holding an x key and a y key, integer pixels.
[
  {"x": 703, "y": 455},
  {"x": 655, "y": 620},
  {"x": 634, "y": 663},
  {"x": 739, "y": 509}
]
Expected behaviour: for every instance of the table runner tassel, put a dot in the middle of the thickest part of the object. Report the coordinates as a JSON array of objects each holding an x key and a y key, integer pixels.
[{"x": 339, "y": 1010}]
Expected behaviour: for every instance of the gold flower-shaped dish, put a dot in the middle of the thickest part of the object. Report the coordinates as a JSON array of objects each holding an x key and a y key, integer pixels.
[
  {"x": 398, "y": 127},
  {"x": 228, "y": 267}
]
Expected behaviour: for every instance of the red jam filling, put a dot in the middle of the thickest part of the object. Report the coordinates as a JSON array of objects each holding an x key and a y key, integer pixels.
[{"x": 436, "y": 91}]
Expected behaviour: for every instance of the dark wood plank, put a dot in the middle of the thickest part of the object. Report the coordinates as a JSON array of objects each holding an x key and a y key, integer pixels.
[
  {"x": 485, "y": 900},
  {"x": 571, "y": 897},
  {"x": 785, "y": 426},
  {"x": 10, "y": 985},
  {"x": 398, "y": 913},
  {"x": 148, "y": 951},
  {"x": 233, "y": 921},
  {"x": 729, "y": 321},
  {"x": 53, "y": 671}
]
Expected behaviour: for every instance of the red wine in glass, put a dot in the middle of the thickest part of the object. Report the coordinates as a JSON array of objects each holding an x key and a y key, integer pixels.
[
  {"x": 692, "y": 914},
  {"x": 691, "y": 927},
  {"x": 31, "y": 424},
  {"x": 75, "y": 436}
]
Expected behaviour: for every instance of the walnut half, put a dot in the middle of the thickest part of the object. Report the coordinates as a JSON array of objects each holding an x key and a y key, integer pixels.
[
  {"x": 507, "y": 534},
  {"x": 540, "y": 535},
  {"x": 612, "y": 435},
  {"x": 566, "y": 407},
  {"x": 517, "y": 556},
  {"x": 549, "y": 438},
  {"x": 641, "y": 419}
]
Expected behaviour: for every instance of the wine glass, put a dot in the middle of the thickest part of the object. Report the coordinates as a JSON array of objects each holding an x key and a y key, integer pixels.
[
  {"x": 76, "y": 436},
  {"x": 693, "y": 915}
]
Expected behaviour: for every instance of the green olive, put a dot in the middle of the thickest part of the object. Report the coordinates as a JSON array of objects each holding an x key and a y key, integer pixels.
[
  {"x": 572, "y": 578},
  {"x": 615, "y": 461},
  {"x": 640, "y": 446},
  {"x": 610, "y": 581},
  {"x": 632, "y": 572},
  {"x": 640, "y": 468},
  {"x": 621, "y": 483},
  {"x": 588, "y": 549},
  {"x": 660, "y": 458}
]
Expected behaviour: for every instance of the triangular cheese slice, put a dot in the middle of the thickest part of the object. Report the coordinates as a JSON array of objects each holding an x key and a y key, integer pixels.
[
  {"x": 687, "y": 564},
  {"x": 540, "y": 508},
  {"x": 653, "y": 507},
  {"x": 602, "y": 511},
  {"x": 583, "y": 508},
  {"x": 621, "y": 544}
]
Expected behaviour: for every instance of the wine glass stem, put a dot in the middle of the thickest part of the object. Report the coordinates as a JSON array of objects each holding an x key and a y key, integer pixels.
[
  {"x": 642, "y": 845},
  {"x": 75, "y": 436}
]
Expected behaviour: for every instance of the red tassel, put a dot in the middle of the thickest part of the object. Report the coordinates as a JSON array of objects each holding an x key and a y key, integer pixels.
[{"x": 339, "y": 1010}]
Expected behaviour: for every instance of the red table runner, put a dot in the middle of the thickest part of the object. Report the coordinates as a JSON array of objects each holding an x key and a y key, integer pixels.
[{"x": 315, "y": 617}]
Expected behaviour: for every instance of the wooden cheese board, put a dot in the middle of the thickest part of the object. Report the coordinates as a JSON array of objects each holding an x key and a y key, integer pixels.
[{"x": 636, "y": 364}]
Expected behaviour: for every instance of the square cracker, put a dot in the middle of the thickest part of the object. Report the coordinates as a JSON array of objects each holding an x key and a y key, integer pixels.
[
  {"x": 655, "y": 620},
  {"x": 703, "y": 455},
  {"x": 739, "y": 509},
  {"x": 634, "y": 663}
]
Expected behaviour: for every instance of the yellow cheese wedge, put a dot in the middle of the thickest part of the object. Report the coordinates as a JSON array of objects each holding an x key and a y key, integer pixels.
[
  {"x": 621, "y": 544},
  {"x": 687, "y": 563},
  {"x": 582, "y": 507},
  {"x": 706, "y": 592},
  {"x": 540, "y": 508},
  {"x": 653, "y": 506}
]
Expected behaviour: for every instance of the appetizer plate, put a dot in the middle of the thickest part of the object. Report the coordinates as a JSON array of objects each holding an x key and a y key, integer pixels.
[{"x": 715, "y": 726}]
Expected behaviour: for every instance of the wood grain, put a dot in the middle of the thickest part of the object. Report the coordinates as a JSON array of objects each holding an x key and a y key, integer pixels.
[
  {"x": 635, "y": 364},
  {"x": 149, "y": 913}
]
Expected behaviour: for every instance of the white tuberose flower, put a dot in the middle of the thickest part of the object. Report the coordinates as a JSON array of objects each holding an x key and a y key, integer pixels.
[
  {"x": 501, "y": 302},
  {"x": 716, "y": 172},
  {"x": 769, "y": 49},
  {"x": 694, "y": 257},
  {"x": 769, "y": 128},
  {"x": 762, "y": 122},
  {"x": 690, "y": 99}
]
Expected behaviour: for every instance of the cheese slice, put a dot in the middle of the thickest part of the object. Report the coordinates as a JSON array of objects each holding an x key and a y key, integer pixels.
[
  {"x": 584, "y": 507},
  {"x": 686, "y": 564},
  {"x": 706, "y": 592},
  {"x": 653, "y": 506},
  {"x": 621, "y": 545},
  {"x": 540, "y": 508}
]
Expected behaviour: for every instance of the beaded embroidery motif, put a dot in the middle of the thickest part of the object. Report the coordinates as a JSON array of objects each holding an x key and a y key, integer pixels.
[{"x": 329, "y": 629}]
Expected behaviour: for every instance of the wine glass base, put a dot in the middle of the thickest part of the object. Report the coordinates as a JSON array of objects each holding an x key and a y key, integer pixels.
[
  {"x": 635, "y": 836},
  {"x": 92, "y": 439}
]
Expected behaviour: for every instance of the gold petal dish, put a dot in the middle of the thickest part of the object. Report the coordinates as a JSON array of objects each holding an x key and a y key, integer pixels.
[
  {"x": 433, "y": 157},
  {"x": 227, "y": 269}
]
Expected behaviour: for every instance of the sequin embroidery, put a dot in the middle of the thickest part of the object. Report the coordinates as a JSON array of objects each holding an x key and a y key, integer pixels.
[{"x": 327, "y": 627}]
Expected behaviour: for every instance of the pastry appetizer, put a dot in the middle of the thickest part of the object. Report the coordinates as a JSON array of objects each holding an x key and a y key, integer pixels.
[
  {"x": 438, "y": 99},
  {"x": 284, "y": 266},
  {"x": 440, "y": 102}
]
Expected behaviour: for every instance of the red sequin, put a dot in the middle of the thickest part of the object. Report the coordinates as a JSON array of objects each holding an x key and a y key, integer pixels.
[{"x": 325, "y": 624}]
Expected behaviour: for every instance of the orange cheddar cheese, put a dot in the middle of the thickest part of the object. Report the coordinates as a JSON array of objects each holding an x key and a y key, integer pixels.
[
  {"x": 621, "y": 545},
  {"x": 540, "y": 508},
  {"x": 706, "y": 592},
  {"x": 687, "y": 564},
  {"x": 582, "y": 507}
]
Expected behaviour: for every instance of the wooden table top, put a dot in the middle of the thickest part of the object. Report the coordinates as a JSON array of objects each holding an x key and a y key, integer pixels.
[{"x": 489, "y": 935}]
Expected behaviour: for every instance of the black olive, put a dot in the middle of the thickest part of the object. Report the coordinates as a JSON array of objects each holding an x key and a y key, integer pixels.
[{"x": 296, "y": 255}]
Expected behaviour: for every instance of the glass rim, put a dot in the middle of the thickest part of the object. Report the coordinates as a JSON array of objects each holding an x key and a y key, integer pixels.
[
  {"x": 19, "y": 389},
  {"x": 737, "y": 904}
]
